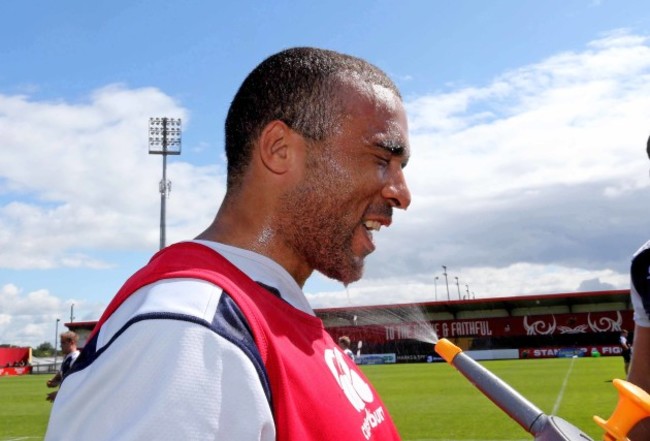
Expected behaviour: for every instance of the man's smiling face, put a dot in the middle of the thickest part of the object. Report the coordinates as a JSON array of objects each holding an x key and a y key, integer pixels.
[{"x": 352, "y": 182}]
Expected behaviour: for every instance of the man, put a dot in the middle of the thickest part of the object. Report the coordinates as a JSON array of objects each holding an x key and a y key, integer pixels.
[
  {"x": 214, "y": 339},
  {"x": 344, "y": 343},
  {"x": 68, "y": 342},
  {"x": 626, "y": 350}
]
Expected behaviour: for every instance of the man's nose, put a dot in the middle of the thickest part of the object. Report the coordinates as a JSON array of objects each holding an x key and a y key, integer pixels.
[{"x": 397, "y": 191}]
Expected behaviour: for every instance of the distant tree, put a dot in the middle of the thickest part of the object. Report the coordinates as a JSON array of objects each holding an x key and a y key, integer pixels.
[{"x": 45, "y": 349}]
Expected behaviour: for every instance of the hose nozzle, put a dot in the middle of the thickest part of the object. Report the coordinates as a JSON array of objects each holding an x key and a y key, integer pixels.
[
  {"x": 633, "y": 405},
  {"x": 447, "y": 350}
]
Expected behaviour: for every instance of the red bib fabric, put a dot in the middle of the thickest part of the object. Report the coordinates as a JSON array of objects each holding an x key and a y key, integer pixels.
[{"x": 318, "y": 393}]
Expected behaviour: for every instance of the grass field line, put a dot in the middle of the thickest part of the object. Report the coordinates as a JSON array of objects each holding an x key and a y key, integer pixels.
[
  {"x": 465, "y": 439},
  {"x": 558, "y": 400}
]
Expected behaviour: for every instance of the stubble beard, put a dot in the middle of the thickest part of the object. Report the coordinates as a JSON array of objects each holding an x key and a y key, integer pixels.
[{"x": 319, "y": 227}]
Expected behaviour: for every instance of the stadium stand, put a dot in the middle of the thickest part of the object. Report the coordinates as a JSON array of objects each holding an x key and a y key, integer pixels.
[
  {"x": 15, "y": 361},
  {"x": 534, "y": 326},
  {"x": 538, "y": 326}
]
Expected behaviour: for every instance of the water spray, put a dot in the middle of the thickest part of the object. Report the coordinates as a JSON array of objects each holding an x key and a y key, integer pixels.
[{"x": 543, "y": 427}]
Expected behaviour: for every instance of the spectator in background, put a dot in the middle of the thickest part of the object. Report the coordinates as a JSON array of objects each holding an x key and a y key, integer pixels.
[
  {"x": 626, "y": 349},
  {"x": 69, "y": 342},
  {"x": 344, "y": 343}
]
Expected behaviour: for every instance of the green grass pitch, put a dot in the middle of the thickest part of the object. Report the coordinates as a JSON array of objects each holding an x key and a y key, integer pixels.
[
  {"x": 23, "y": 408},
  {"x": 427, "y": 401},
  {"x": 436, "y": 402}
]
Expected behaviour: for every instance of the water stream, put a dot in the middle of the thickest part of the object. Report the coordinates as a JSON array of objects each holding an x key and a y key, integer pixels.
[{"x": 401, "y": 322}]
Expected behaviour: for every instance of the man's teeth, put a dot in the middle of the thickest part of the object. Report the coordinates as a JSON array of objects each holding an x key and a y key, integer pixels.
[{"x": 372, "y": 225}]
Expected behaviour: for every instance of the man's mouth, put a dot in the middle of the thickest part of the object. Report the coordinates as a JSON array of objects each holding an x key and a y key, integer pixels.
[
  {"x": 374, "y": 218},
  {"x": 372, "y": 225}
]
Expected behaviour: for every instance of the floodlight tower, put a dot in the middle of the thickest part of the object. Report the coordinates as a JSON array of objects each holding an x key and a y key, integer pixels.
[
  {"x": 435, "y": 287},
  {"x": 444, "y": 269},
  {"x": 164, "y": 139}
]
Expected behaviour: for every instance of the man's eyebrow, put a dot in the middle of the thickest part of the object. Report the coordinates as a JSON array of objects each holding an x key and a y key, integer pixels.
[{"x": 394, "y": 147}]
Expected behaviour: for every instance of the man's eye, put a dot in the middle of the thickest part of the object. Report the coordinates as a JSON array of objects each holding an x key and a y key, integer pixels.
[{"x": 383, "y": 161}]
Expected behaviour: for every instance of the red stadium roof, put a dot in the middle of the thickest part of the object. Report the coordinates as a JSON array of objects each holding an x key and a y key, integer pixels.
[{"x": 503, "y": 303}]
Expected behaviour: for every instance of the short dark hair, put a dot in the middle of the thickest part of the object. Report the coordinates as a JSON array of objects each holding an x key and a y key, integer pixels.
[
  {"x": 297, "y": 86},
  {"x": 70, "y": 336}
]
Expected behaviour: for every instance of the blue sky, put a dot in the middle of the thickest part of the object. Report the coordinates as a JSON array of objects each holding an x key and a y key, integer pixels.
[{"x": 528, "y": 123}]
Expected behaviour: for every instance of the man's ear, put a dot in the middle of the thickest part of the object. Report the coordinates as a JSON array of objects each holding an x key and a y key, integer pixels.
[{"x": 278, "y": 147}]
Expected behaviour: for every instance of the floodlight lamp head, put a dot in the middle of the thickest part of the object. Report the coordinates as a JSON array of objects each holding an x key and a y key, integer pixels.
[{"x": 165, "y": 136}]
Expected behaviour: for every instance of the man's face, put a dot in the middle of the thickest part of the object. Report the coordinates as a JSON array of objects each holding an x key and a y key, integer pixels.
[
  {"x": 352, "y": 182},
  {"x": 66, "y": 346}
]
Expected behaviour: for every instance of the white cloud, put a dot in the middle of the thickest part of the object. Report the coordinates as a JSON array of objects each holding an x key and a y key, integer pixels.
[
  {"x": 518, "y": 278},
  {"x": 78, "y": 177},
  {"x": 570, "y": 119},
  {"x": 29, "y": 318},
  {"x": 532, "y": 183}
]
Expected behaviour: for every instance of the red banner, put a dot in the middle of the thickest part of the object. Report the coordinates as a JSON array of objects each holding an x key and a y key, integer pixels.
[
  {"x": 10, "y": 356},
  {"x": 582, "y": 351},
  {"x": 529, "y": 325},
  {"x": 15, "y": 371}
]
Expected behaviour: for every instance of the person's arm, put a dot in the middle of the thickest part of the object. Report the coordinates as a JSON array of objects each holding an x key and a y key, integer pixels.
[
  {"x": 639, "y": 372},
  {"x": 624, "y": 343},
  {"x": 640, "y": 363},
  {"x": 55, "y": 380}
]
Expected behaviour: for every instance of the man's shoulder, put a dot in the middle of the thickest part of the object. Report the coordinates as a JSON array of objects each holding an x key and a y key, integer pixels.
[{"x": 643, "y": 250}]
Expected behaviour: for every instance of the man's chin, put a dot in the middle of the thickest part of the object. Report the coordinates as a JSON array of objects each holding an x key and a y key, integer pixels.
[{"x": 347, "y": 274}]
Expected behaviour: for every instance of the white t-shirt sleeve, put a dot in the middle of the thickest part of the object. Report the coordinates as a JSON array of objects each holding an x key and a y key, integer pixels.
[{"x": 164, "y": 379}]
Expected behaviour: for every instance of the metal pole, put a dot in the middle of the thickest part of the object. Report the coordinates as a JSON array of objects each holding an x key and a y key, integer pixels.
[
  {"x": 458, "y": 287},
  {"x": 56, "y": 341},
  {"x": 446, "y": 281},
  {"x": 163, "y": 202},
  {"x": 164, "y": 139},
  {"x": 163, "y": 185},
  {"x": 435, "y": 287}
]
